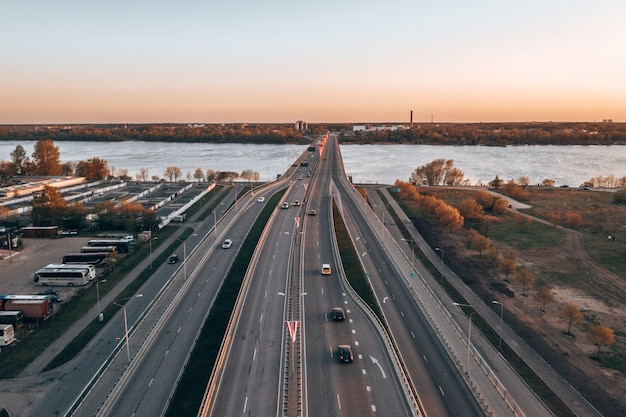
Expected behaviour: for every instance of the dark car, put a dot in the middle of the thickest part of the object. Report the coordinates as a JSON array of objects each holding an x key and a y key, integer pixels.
[
  {"x": 337, "y": 313},
  {"x": 48, "y": 292},
  {"x": 344, "y": 352},
  {"x": 173, "y": 259}
]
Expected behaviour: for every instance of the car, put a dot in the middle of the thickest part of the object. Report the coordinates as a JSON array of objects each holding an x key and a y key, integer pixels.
[
  {"x": 326, "y": 269},
  {"x": 48, "y": 292},
  {"x": 56, "y": 299},
  {"x": 260, "y": 199},
  {"x": 337, "y": 313},
  {"x": 173, "y": 259},
  {"x": 285, "y": 205},
  {"x": 296, "y": 203},
  {"x": 312, "y": 212},
  {"x": 344, "y": 353},
  {"x": 300, "y": 177},
  {"x": 227, "y": 244},
  {"x": 308, "y": 175}
]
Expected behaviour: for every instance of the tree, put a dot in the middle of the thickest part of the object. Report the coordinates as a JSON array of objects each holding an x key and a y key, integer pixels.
[
  {"x": 75, "y": 216},
  {"x": 172, "y": 173},
  {"x": 478, "y": 242},
  {"x": 470, "y": 209},
  {"x": 436, "y": 172},
  {"x": 122, "y": 174},
  {"x": 507, "y": 267},
  {"x": 20, "y": 160},
  {"x": 500, "y": 206},
  {"x": 199, "y": 175},
  {"x": 496, "y": 182},
  {"x": 93, "y": 169},
  {"x": 47, "y": 158},
  {"x": 448, "y": 216},
  {"x": 210, "y": 175},
  {"x": 523, "y": 181},
  {"x": 526, "y": 278},
  {"x": 572, "y": 314},
  {"x": 49, "y": 207},
  {"x": 142, "y": 175},
  {"x": 544, "y": 295},
  {"x": 548, "y": 182},
  {"x": 600, "y": 336},
  {"x": 68, "y": 168}
]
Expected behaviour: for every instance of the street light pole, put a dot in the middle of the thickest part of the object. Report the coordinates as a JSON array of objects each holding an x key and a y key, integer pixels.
[
  {"x": 501, "y": 313},
  {"x": 100, "y": 315},
  {"x": 469, "y": 334},
  {"x": 441, "y": 270},
  {"x": 126, "y": 322}
]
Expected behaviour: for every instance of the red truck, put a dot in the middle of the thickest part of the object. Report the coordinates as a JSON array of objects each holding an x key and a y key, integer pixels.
[{"x": 35, "y": 308}]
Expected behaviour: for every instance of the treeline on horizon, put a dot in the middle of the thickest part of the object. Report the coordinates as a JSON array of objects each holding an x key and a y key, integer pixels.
[{"x": 487, "y": 134}]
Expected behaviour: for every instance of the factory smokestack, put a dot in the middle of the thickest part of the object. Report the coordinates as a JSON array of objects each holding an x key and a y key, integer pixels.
[{"x": 411, "y": 119}]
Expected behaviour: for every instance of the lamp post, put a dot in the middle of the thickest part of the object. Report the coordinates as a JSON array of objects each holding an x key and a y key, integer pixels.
[
  {"x": 501, "y": 313},
  {"x": 469, "y": 333},
  {"x": 441, "y": 270},
  {"x": 126, "y": 321},
  {"x": 100, "y": 314},
  {"x": 412, "y": 251}
]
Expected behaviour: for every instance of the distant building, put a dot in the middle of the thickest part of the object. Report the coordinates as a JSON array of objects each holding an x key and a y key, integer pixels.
[
  {"x": 372, "y": 128},
  {"x": 301, "y": 125}
]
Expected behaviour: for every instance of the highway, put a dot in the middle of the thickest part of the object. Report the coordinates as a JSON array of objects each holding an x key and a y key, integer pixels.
[{"x": 267, "y": 367}]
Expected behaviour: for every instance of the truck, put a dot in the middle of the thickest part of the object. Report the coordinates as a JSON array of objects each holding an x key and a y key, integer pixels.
[
  {"x": 7, "y": 334},
  {"x": 36, "y": 307}
]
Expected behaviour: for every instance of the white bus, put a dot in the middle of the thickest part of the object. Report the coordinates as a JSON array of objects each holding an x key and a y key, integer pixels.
[
  {"x": 68, "y": 277},
  {"x": 90, "y": 268}
]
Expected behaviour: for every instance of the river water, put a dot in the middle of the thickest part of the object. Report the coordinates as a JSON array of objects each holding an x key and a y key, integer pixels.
[{"x": 383, "y": 164}]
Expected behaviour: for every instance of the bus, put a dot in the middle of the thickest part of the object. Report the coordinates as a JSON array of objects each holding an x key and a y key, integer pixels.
[
  {"x": 122, "y": 245},
  {"x": 96, "y": 259},
  {"x": 90, "y": 268},
  {"x": 61, "y": 277},
  {"x": 16, "y": 318},
  {"x": 94, "y": 249}
]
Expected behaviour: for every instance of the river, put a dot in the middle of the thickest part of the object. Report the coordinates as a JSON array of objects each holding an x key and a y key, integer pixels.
[{"x": 383, "y": 164}]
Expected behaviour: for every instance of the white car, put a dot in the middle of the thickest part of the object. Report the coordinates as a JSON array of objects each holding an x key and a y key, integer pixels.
[
  {"x": 227, "y": 244},
  {"x": 260, "y": 199},
  {"x": 285, "y": 205}
]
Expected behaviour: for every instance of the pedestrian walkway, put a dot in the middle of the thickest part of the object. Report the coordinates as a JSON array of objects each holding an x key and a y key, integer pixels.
[{"x": 562, "y": 389}]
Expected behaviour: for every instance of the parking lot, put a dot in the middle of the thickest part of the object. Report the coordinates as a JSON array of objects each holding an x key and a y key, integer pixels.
[{"x": 16, "y": 273}]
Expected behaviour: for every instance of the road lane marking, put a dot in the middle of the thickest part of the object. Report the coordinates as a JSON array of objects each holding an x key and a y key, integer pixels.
[
  {"x": 412, "y": 334},
  {"x": 380, "y": 367},
  {"x": 338, "y": 402},
  {"x": 261, "y": 320},
  {"x": 245, "y": 404},
  {"x": 442, "y": 393}
]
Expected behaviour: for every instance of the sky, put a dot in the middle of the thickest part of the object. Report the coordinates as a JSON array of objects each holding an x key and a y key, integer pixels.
[{"x": 278, "y": 61}]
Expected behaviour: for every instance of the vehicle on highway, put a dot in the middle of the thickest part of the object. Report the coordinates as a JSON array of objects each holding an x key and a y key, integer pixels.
[
  {"x": 326, "y": 269},
  {"x": 285, "y": 205},
  {"x": 312, "y": 212},
  {"x": 337, "y": 313},
  {"x": 300, "y": 177},
  {"x": 260, "y": 199},
  {"x": 308, "y": 175},
  {"x": 173, "y": 259},
  {"x": 227, "y": 244},
  {"x": 296, "y": 203},
  {"x": 344, "y": 353}
]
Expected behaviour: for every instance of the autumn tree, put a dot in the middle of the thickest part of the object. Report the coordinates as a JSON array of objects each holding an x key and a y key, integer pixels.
[
  {"x": 470, "y": 209},
  {"x": 172, "y": 173},
  {"x": 507, "y": 267},
  {"x": 20, "y": 160},
  {"x": 47, "y": 158},
  {"x": 524, "y": 277},
  {"x": 477, "y": 241},
  {"x": 448, "y": 216},
  {"x": 523, "y": 181},
  {"x": 48, "y": 208},
  {"x": 93, "y": 169},
  {"x": 406, "y": 191},
  {"x": 68, "y": 168},
  {"x": 500, "y": 206},
  {"x": 600, "y": 336},
  {"x": 122, "y": 174},
  {"x": 437, "y": 172},
  {"x": 210, "y": 175},
  {"x": 199, "y": 175},
  {"x": 496, "y": 182},
  {"x": 544, "y": 295},
  {"x": 142, "y": 174},
  {"x": 572, "y": 314},
  {"x": 548, "y": 182}
]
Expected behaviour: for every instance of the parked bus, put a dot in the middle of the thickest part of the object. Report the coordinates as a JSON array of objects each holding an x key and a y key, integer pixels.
[
  {"x": 122, "y": 245},
  {"x": 7, "y": 334},
  {"x": 96, "y": 259},
  {"x": 95, "y": 249},
  {"x": 61, "y": 277},
  {"x": 16, "y": 318},
  {"x": 90, "y": 268}
]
